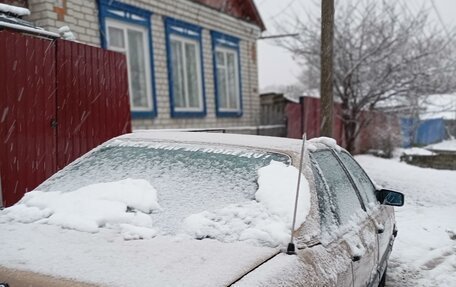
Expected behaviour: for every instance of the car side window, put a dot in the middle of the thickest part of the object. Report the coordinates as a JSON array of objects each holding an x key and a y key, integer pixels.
[
  {"x": 326, "y": 202},
  {"x": 337, "y": 185},
  {"x": 362, "y": 181}
]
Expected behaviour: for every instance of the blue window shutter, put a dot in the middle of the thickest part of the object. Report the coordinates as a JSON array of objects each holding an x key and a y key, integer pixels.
[{"x": 134, "y": 15}]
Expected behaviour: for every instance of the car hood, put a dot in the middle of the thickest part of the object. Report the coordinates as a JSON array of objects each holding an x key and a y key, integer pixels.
[{"x": 108, "y": 260}]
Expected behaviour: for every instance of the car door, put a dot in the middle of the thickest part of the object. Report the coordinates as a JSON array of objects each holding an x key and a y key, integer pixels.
[
  {"x": 351, "y": 225},
  {"x": 381, "y": 215},
  {"x": 334, "y": 249}
]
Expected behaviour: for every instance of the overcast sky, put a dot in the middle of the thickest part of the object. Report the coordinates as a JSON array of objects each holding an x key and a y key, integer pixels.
[{"x": 276, "y": 66}]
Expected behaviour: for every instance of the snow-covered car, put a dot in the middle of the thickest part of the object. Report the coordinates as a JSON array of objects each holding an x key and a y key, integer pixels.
[{"x": 211, "y": 210}]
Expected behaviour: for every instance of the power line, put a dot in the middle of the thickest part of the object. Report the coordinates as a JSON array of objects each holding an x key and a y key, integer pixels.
[
  {"x": 281, "y": 11},
  {"x": 278, "y": 36},
  {"x": 440, "y": 18},
  {"x": 262, "y": 2}
]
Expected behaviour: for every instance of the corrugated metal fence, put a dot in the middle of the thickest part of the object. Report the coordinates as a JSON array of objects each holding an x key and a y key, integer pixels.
[
  {"x": 422, "y": 132},
  {"x": 383, "y": 129},
  {"x": 58, "y": 100},
  {"x": 305, "y": 117}
]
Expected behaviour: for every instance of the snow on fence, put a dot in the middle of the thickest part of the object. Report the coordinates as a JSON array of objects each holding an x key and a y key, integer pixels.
[
  {"x": 59, "y": 99},
  {"x": 436, "y": 161}
]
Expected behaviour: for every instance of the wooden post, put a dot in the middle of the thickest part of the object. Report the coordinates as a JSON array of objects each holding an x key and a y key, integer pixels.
[{"x": 326, "y": 76}]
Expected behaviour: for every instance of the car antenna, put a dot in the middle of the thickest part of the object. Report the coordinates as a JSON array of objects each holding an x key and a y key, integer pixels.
[{"x": 291, "y": 247}]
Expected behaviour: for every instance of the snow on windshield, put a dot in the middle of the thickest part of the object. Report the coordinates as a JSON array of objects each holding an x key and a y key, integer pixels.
[
  {"x": 145, "y": 189},
  {"x": 121, "y": 204}
]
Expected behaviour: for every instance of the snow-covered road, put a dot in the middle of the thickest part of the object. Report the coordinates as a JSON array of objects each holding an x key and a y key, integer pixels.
[{"x": 424, "y": 253}]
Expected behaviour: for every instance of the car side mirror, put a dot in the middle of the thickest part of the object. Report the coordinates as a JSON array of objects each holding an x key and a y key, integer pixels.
[{"x": 389, "y": 197}]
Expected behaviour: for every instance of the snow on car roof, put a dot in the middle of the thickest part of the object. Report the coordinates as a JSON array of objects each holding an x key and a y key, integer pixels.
[
  {"x": 217, "y": 138},
  {"x": 253, "y": 141}
]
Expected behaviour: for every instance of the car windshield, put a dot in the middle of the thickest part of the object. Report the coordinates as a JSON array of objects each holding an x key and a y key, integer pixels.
[{"x": 188, "y": 178}]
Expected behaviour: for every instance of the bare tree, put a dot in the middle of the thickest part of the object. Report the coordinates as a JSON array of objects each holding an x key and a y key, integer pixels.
[{"x": 383, "y": 51}]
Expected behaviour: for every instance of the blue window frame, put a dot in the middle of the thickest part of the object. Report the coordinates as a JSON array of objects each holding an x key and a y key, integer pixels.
[
  {"x": 185, "y": 69},
  {"x": 227, "y": 75},
  {"x": 127, "y": 29}
]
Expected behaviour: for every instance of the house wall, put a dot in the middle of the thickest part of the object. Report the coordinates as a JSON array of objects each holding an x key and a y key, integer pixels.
[{"x": 82, "y": 18}]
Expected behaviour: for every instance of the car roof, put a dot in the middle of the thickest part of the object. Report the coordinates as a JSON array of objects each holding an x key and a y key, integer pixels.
[
  {"x": 252, "y": 141},
  {"x": 279, "y": 144}
]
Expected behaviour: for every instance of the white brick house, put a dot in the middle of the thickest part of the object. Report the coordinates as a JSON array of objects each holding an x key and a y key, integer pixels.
[{"x": 192, "y": 63}]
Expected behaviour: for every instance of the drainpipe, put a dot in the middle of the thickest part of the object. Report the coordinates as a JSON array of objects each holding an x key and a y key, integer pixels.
[
  {"x": 1, "y": 193},
  {"x": 301, "y": 102}
]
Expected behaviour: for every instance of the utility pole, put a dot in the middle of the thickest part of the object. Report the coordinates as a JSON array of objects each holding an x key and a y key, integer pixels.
[{"x": 326, "y": 76}]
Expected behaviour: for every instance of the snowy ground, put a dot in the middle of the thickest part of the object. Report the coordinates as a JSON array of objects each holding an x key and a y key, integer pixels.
[{"x": 424, "y": 253}]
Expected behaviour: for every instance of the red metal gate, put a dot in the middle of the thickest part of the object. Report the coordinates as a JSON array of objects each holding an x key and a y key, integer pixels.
[
  {"x": 92, "y": 99},
  {"x": 27, "y": 143},
  {"x": 58, "y": 100}
]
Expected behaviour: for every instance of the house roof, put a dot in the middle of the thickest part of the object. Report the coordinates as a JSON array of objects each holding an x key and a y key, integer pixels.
[{"x": 243, "y": 9}]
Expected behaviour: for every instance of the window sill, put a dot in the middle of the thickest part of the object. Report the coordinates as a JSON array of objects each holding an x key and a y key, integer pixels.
[
  {"x": 188, "y": 114},
  {"x": 143, "y": 114},
  {"x": 229, "y": 114}
]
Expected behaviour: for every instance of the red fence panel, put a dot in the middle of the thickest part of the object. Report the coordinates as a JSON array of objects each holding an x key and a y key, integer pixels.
[
  {"x": 383, "y": 132},
  {"x": 27, "y": 105},
  {"x": 92, "y": 99},
  {"x": 293, "y": 114},
  {"x": 305, "y": 117},
  {"x": 58, "y": 100}
]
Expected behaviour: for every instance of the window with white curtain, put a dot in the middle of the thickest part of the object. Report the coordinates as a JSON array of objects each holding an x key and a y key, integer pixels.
[
  {"x": 185, "y": 68},
  {"x": 133, "y": 41},
  {"x": 186, "y": 74},
  {"x": 227, "y": 77},
  {"x": 227, "y": 80}
]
